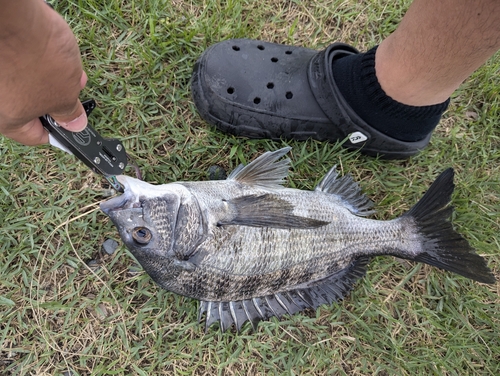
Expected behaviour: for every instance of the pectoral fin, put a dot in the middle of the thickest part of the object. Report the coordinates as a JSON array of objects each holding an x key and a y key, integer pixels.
[{"x": 266, "y": 211}]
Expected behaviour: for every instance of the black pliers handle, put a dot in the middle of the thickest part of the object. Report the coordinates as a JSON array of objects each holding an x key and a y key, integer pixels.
[{"x": 105, "y": 156}]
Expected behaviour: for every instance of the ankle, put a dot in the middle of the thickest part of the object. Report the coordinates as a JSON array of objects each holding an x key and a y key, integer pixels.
[
  {"x": 356, "y": 79},
  {"x": 402, "y": 82}
]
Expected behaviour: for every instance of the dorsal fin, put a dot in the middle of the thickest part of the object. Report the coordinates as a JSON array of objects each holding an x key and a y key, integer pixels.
[
  {"x": 348, "y": 190},
  {"x": 265, "y": 170},
  {"x": 326, "y": 291}
]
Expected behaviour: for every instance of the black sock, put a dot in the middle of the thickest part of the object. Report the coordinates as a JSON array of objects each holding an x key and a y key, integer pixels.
[{"x": 356, "y": 79}]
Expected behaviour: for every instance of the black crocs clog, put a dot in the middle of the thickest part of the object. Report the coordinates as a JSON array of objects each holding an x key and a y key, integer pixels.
[{"x": 266, "y": 90}]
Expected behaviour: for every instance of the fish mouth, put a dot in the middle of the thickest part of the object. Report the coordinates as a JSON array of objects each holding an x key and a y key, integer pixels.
[
  {"x": 125, "y": 201},
  {"x": 116, "y": 203},
  {"x": 135, "y": 191}
]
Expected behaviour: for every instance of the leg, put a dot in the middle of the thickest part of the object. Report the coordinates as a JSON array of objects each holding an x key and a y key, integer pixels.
[
  {"x": 436, "y": 47},
  {"x": 386, "y": 101}
]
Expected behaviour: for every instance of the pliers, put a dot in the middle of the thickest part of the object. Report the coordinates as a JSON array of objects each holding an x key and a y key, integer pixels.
[{"x": 104, "y": 156}]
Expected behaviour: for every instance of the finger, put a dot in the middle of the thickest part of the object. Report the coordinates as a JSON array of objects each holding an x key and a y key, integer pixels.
[
  {"x": 75, "y": 120},
  {"x": 30, "y": 134}
]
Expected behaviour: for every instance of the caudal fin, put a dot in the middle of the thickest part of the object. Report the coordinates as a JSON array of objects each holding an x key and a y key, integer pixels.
[{"x": 443, "y": 246}]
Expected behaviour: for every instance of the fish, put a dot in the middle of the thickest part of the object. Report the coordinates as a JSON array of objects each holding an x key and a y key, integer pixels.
[{"x": 249, "y": 249}]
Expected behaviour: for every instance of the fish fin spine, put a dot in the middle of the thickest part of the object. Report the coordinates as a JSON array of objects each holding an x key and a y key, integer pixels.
[
  {"x": 347, "y": 189},
  {"x": 266, "y": 170}
]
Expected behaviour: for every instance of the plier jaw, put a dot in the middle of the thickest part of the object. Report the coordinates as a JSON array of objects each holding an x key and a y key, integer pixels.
[{"x": 104, "y": 156}]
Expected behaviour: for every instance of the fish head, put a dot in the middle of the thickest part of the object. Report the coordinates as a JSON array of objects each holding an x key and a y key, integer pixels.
[
  {"x": 160, "y": 224},
  {"x": 130, "y": 213},
  {"x": 137, "y": 233}
]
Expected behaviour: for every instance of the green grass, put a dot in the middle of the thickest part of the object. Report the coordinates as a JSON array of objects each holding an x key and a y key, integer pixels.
[{"x": 58, "y": 315}]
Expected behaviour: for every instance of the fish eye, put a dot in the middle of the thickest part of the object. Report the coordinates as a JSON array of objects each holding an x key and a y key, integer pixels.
[{"x": 142, "y": 235}]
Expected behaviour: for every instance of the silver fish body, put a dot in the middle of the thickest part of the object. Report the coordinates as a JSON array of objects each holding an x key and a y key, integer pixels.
[{"x": 250, "y": 249}]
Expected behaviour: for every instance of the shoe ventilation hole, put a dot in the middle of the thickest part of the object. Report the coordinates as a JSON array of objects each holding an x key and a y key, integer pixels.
[
  {"x": 230, "y": 90},
  {"x": 274, "y": 59},
  {"x": 270, "y": 85},
  {"x": 289, "y": 95},
  {"x": 260, "y": 47},
  {"x": 288, "y": 52},
  {"x": 236, "y": 48},
  {"x": 256, "y": 100}
]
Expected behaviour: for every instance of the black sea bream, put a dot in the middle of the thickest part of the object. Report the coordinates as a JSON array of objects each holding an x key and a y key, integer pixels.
[{"x": 250, "y": 249}]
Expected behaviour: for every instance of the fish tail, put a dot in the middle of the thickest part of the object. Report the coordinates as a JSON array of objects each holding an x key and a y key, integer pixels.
[{"x": 443, "y": 247}]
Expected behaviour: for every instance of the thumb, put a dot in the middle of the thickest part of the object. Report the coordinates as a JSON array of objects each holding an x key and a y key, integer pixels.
[{"x": 74, "y": 121}]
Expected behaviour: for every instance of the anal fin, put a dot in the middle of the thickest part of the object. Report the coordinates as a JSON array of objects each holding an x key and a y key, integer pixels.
[
  {"x": 276, "y": 307},
  {"x": 225, "y": 317},
  {"x": 326, "y": 291}
]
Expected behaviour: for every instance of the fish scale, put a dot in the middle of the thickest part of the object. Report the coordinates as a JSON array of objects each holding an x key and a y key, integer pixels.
[{"x": 250, "y": 249}]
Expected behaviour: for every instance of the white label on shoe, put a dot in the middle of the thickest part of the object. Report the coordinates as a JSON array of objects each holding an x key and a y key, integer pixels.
[{"x": 357, "y": 137}]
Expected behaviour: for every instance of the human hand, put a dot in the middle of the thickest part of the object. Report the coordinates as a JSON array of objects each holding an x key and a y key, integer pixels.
[{"x": 40, "y": 72}]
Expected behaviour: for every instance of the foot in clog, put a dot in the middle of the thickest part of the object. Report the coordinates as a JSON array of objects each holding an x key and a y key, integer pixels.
[{"x": 265, "y": 90}]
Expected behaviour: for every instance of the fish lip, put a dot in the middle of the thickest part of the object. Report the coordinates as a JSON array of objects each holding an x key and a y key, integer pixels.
[
  {"x": 122, "y": 202},
  {"x": 114, "y": 204}
]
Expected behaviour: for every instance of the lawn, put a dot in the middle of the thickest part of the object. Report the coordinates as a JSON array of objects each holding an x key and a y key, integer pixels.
[{"x": 68, "y": 309}]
